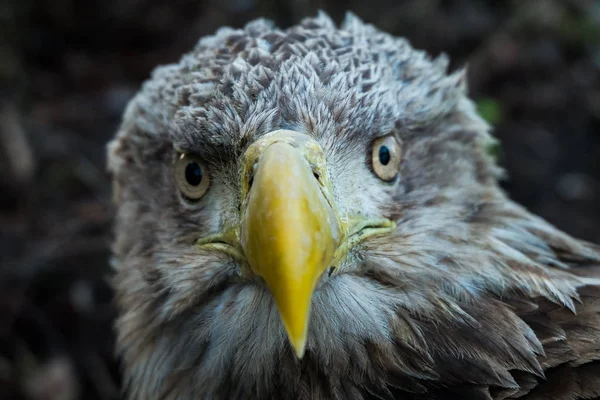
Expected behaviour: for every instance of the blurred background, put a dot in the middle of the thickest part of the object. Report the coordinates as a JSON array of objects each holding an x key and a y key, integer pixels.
[{"x": 68, "y": 68}]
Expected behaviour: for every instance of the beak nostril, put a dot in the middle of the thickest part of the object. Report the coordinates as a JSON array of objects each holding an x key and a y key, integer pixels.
[
  {"x": 251, "y": 174},
  {"x": 316, "y": 175}
]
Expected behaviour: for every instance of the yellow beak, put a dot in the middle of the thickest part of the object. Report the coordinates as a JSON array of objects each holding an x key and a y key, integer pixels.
[{"x": 289, "y": 230}]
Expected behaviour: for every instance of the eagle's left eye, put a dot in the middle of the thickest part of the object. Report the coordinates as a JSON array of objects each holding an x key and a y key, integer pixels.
[
  {"x": 191, "y": 176},
  {"x": 386, "y": 156}
]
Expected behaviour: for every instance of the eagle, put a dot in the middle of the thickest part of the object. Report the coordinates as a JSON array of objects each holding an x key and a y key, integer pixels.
[{"x": 315, "y": 213}]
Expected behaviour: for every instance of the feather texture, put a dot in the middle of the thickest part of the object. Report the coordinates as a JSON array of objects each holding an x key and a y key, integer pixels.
[{"x": 471, "y": 297}]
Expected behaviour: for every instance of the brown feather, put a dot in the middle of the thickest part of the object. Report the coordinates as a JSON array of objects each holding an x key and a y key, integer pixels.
[{"x": 471, "y": 297}]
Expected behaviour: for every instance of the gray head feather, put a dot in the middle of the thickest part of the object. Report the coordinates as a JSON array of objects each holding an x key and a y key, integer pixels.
[{"x": 442, "y": 304}]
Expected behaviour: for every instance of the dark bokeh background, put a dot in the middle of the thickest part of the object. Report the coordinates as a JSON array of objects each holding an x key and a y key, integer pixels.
[{"x": 68, "y": 67}]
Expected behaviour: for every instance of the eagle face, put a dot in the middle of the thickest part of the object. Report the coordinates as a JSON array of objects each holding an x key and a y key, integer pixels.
[{"x": 313, "y": 213}]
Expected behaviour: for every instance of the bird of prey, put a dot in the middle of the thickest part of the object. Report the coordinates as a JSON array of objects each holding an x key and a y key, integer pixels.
[{"x": 314, "y": 213}]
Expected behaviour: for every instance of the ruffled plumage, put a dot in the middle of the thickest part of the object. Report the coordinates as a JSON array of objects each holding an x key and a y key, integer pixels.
[{"x": 471, "y": 296}]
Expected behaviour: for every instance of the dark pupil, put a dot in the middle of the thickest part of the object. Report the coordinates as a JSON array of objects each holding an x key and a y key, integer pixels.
[
  {"x": 193, "y": 173},
  {"x": 384, "y": 155}
]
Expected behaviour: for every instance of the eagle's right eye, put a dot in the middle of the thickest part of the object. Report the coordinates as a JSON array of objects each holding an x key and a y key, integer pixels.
[{"x": 191, "y": 176}]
